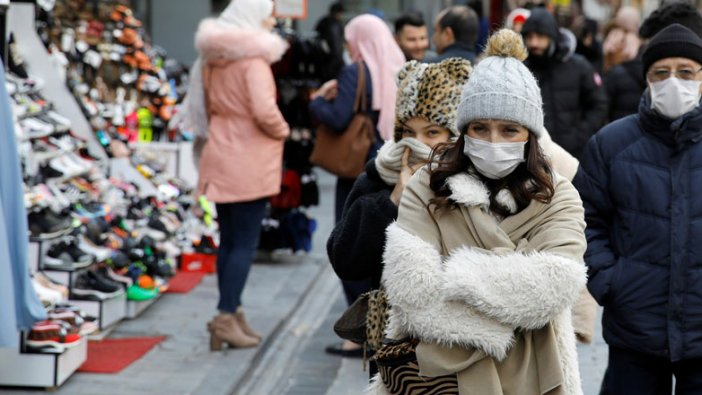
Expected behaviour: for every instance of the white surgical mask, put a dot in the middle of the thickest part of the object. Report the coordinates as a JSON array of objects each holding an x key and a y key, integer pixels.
[
  {"x": 674, "y": 97},
  {"x": 494, "y": 160}
]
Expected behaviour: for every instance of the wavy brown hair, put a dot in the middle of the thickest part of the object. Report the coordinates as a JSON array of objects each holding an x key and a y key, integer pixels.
[{"x": 531, "y": 180}]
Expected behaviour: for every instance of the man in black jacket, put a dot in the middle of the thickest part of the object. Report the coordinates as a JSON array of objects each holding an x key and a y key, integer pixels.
[
  {"x": 575, "y": 104},
  {"x": 455, "y": 34},
  {"x": 330, "y": 30}
]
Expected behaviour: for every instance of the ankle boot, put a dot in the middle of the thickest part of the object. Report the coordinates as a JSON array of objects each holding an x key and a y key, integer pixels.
[
  {"x": 244, "y": 325},
  {"x": 226, "y": 328},
  {"x": 215, "y": 342}
]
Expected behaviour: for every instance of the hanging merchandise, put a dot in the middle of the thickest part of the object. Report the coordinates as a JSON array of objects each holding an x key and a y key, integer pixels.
[{"x": 286, "y": 225}]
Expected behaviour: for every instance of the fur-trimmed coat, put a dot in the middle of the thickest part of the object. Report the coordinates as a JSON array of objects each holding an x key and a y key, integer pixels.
[
  {"x": 243, "y": 157},
  {"x": 462, "y": 278}
]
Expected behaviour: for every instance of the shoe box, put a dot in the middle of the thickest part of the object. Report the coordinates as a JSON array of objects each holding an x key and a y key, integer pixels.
[{"x": 198, "y": 262}]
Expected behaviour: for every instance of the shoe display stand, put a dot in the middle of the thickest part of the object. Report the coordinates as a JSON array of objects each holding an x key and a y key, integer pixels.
[
  {"x": 21, "y": 21},
  {"x": 108, "y": 312},
  {"x": 136, "y": 307},
  {"x": 48, "y": 370}
]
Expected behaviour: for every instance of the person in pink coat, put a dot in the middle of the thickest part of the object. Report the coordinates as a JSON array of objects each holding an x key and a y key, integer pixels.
[{"x": 241, "y": 162}]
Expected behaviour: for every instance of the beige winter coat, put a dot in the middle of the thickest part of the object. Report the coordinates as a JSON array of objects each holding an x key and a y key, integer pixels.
[
  {"x": 585, "y": 309},
  {"x": 489, "y": 300}
]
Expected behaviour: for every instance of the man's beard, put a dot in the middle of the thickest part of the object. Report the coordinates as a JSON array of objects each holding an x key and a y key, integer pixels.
[{"x": 538, "y": 60}]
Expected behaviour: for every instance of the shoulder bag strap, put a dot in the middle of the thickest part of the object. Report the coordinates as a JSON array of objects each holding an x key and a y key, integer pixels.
[{"x": 360, "y": 101}]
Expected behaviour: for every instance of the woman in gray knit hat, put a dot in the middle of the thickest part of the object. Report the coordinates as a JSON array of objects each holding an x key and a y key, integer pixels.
[{"x": 484, "y": 262}]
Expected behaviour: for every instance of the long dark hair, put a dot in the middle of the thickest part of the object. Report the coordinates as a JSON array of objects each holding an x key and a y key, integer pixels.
[{"x": 531, "y": 180}]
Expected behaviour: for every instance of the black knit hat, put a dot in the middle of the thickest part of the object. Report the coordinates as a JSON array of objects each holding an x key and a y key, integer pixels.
[
  {"x": 541, "y": 21},
  {"x": 675, "y": 41},
  {"x": 678, "y": 11}
]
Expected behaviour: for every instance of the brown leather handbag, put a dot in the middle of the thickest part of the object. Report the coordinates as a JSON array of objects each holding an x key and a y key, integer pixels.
[{"x": 344, "y": 154}]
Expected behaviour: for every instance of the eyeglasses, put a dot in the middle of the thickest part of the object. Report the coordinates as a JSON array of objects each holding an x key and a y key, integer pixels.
[{"x": 663, "y": 74}]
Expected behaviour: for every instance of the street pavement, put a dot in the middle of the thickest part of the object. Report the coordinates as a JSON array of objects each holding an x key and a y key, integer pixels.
[{"x": 293, "y": 301}]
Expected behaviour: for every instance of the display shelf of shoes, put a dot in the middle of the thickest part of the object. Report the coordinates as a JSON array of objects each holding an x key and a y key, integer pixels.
[
  {"x": 108, "y": 311},
  {"x": 36, "y": 369},
  {"x": 136, "y": 307}
]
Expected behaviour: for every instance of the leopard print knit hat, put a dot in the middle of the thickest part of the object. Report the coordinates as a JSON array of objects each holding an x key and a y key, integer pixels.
[{"x": 431, "y": 92}]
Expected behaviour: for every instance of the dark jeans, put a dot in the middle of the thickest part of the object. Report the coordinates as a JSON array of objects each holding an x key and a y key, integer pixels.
[
  {"x": 634, "y": 373},
  {"x": 352, "y": 289},
  {"x": 239, "y": 228}
]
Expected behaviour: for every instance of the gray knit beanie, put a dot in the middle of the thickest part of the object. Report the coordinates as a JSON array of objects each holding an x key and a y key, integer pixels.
[{"x": 501, "y": 87}]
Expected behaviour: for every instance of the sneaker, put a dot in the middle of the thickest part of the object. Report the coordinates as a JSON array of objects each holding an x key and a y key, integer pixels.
[
  {"x": 156, "y": 223},
  {"x": 49, "y": 172},
  {"x": 206, "y": 245},
  {"x": 90, "y": 285},
  {"x": 47, "y": 296},
  {"x": 138, "y": 293},
  {"x": 52, "y": 335},
  {"x": 69, "y": 256},
  {"x": 15, "y": 61},
  {"x": 101, "y": 254},
  {"x": 109, "y": 273},
  {"x": 46, "y": 224},
  {"x": 158, "y": 267},
  {"x": 46, "y": 282}
]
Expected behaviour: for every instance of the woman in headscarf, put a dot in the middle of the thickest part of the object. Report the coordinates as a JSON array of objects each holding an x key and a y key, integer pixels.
[
  {"x": 371, "y": 45},
  {"x": 241, "y": 165}
]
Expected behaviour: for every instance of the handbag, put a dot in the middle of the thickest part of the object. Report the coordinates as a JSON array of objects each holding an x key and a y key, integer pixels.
[
  {"x": 345, "y": 154},
  {"x": 364, "y": 321},
  {"x": 399, "y": 371}
]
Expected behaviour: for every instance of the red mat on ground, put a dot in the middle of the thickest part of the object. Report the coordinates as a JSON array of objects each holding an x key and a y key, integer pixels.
[
  {"x": 113, "y": 355},
  {"x": 184, "y": 282}
]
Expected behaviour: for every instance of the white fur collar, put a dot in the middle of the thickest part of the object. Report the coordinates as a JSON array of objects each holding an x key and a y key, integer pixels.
[
  {"x": 467, "y": 189},
  {"x": 214, "y": 40}
]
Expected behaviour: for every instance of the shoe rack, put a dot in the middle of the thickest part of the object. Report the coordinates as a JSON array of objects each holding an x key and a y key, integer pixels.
[
  {"x": 21, "y": 22},
  {"x": 136, "y": 307},
  {"x": 108, "y": 312},
  {"x": 34, "y": 369}
]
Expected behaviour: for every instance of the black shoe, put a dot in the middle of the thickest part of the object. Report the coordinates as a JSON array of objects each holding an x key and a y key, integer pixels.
[
  {"x": 95, "y": 231},
  {"x": 67, "y": 256},
  {"x": 49, "y": 172},
  {"x": 46, "y": 224},
  {"x": 90, "y": 285},
  {"x": 156, "y": 223},
  {"x": 15, "y": 61},
  {"x": 206, "y": 246},
  {"x": 337, "y": 349},
  {"x": 118, "y": 260},
  {"x": 156, "y": 267}
]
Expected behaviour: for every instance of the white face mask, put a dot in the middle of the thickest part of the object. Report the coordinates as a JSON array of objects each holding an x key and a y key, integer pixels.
[
  {"x": 494, "y": 160},
  {"x": 674, "y": 97}
]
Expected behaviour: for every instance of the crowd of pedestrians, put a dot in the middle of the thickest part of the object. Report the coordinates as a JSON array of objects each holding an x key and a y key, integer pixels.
[{"x": 512, "y": 179}]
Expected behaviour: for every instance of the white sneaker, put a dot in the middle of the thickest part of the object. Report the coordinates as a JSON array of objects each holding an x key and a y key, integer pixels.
[
  {"x": 101, "y": 253},
  {"x": 46, "y": 295}
]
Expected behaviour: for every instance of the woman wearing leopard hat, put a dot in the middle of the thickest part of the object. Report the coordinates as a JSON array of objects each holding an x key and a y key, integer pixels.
[
  {"x": 425, "y": 116},
  {"x": 485, "y": 260}
]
